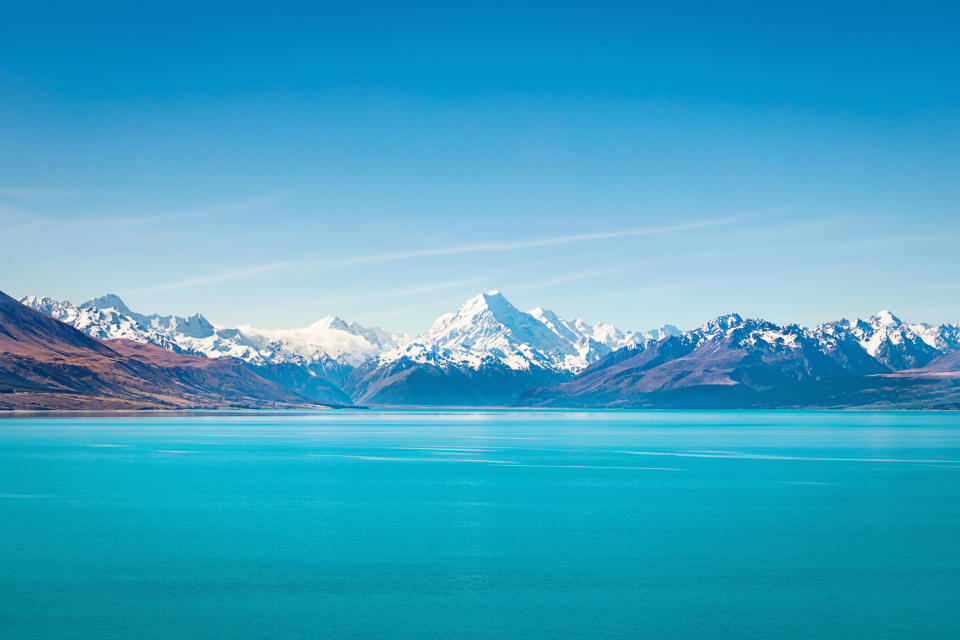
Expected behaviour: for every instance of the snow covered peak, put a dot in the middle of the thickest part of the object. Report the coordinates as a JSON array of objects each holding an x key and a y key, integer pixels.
[
  {"x": 722, "y": 323},
  {"x": 488, "y": 326},
  {"x": 885, "y": 319},
  {"x": 484, "y": 327},
  {"x": 106, "y": 323},
  {"x": 751, "y": 334},
  {"x": 108, "y": 301},
  {"x": 487, "y": 319},
  {"x": 307, "y": 345},
  {"x": 195, "y": 326},
  {"x": 572, "y": 332},
  {"x": 730, "y": 320},
  {"x": 330, "y": 322},
  {"x": 888, "y": 340},
  {"x": 944, "y": 338},
  {"x": 600, "y": 333},
  {"x": 665, "y": 331},
  {"x": 492, "y": 301},
  {"x": 329, "y": 339},
  {"x": 44, "y": 304}
]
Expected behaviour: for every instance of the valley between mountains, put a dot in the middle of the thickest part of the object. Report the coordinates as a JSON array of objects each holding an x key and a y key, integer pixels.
[{"x": 485, "y": 353}]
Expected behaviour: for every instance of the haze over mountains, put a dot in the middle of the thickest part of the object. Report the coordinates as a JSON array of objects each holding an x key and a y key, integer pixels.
[{"x": 488, "y": 352}]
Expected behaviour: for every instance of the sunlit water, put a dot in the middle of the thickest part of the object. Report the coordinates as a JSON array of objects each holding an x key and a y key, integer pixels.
[{"x": 458, "y": 524}]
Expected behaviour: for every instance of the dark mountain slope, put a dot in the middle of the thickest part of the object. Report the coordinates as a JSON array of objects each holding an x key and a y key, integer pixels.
[
  {"x": 303, "y": 381},
  {"x": 406, "y": 382},
  {"x": 948, "y": 365}
]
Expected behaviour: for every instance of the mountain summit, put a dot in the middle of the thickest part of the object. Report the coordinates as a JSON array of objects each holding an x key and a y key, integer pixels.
[
  {"x": 488, "y": 327},
  {"x": 108, "y": 301}
]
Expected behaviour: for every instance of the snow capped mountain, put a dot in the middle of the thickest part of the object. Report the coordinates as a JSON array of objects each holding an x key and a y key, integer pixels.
[
  {"x": 108, "y": 301},
  {"x": 888, "y": 340},
  {"x": 488, "y": 351},
  {"x": 107, "y": 323},
  {"x": 881, "y": 342},
  {"x": 195, "y": 326},
  {"x": 313, "y": 361},
  {"x": 328, "y": 340},
  {"x": 722, "y": 324},
  {"x": 488, "y": 328},
  {"x": 735, "y": 362},
  {"x": 593, "y": 341},
  {"x": 373, "y": 335},
  {"x": 945, "y": 338},
  {"x": 488, "y": 348}
]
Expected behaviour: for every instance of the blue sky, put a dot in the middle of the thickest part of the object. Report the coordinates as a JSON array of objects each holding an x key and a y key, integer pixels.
[{"x": 270, "y": 164}]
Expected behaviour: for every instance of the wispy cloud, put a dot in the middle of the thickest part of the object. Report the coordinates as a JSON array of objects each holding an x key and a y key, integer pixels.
[
  {"x": 897, "y": 242},
  {"x": 223, "y": 209},
  {"x": 411, "y": 291},
  {"x": 561, "y": 280},
  {"x": 40, "y": 192},
  {"x": 216, "y": 278},
  {"x": 479, "y": 247},
  {"x": 667, "y": 288},
  {"x": 408, "y": 310},
  {"x": 24, "y": 222},
  {"x": 535, "y": 243}
]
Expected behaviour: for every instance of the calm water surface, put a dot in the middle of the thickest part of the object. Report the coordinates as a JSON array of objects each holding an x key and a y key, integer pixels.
[{"x": 460, "y": 524}]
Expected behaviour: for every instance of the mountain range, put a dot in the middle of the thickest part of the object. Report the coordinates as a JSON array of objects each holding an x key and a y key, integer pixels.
[
  {"x": 732, "y": 362},
  {"x": 488, "y": 352},
  {"x": 47, "y": 364}
]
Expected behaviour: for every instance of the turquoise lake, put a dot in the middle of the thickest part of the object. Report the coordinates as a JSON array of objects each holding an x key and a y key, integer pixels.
[{"x": 493, "y": 524}]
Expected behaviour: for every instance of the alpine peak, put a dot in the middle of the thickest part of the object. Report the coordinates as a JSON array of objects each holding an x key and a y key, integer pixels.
[
  {"x": 723, "y": 322},
  {"x": 886, "y": 319},
  {"x": 108, "y": 301}
]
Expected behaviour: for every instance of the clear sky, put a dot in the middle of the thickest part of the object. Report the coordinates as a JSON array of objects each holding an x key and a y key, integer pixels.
[{"x": 270, "y": 164}]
